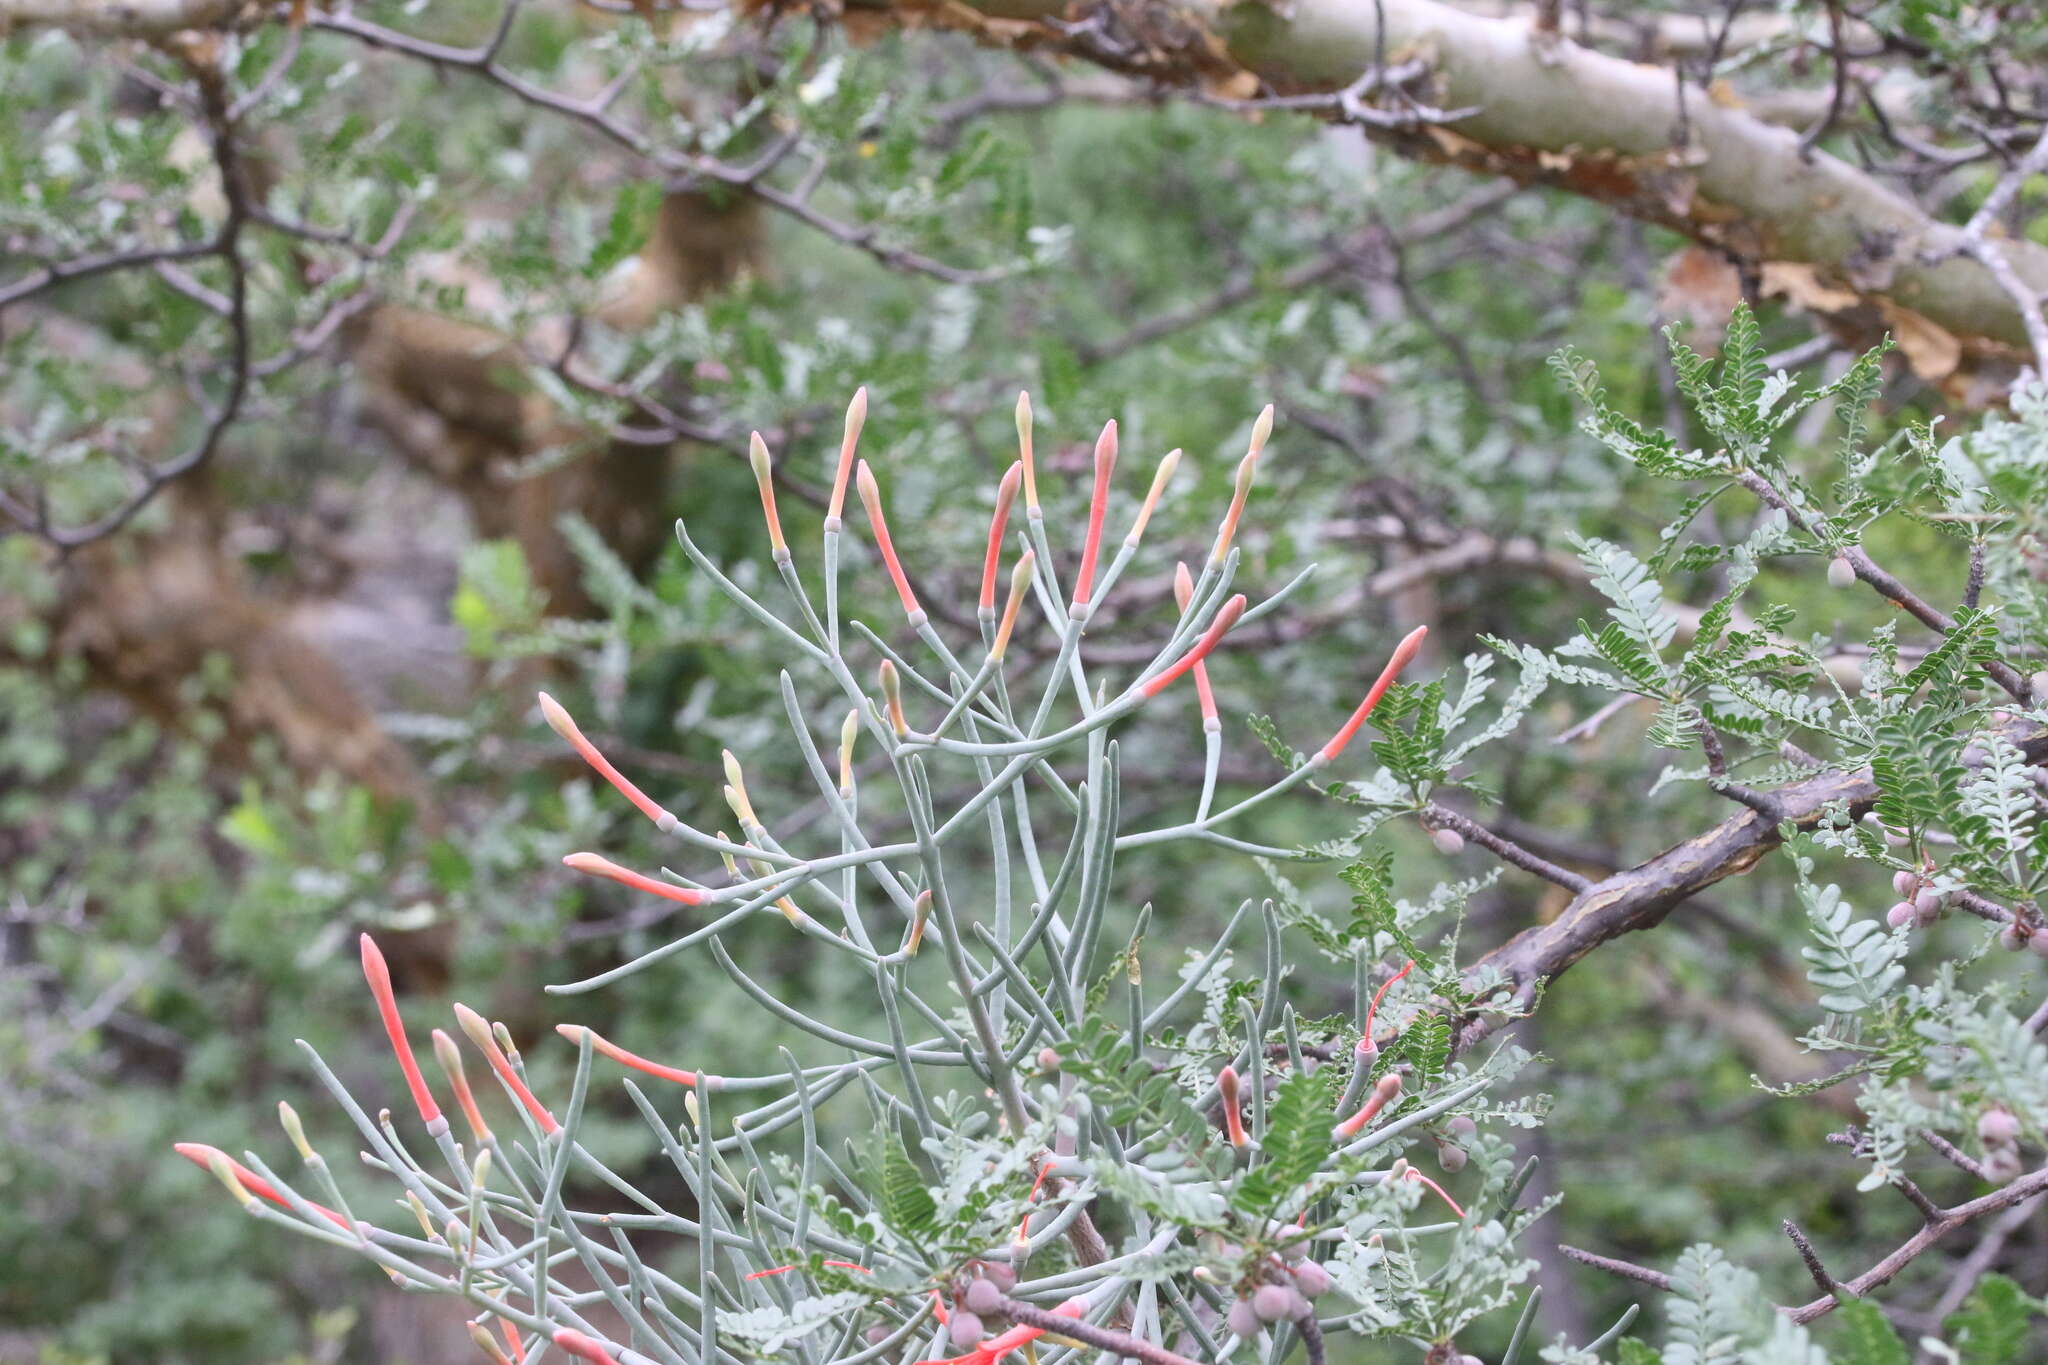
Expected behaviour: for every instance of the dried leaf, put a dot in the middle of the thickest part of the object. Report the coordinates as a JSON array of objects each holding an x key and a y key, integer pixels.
[{"x": 1932, "y": 350}]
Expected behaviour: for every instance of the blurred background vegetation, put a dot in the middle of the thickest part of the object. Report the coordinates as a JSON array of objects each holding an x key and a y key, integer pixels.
[{"x": 288, "y": 694}]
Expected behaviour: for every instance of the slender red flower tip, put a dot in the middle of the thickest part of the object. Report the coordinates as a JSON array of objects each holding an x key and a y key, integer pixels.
[
  {"x": 379, "y": 976},
  {"x": 785, "y": 1269},
  {"x": 1183, "y": 593},
  {"x": 1225, "y": 619},
  {"x": 856, "y": 418},
  {"x": 562, "y": 723},
  {"x": 215, "y": 1160},
  {"x": 1160, "y": 478},
  {"x": 1024, "y": 451},
  {"x": 1098, "y": 507},
  {"x": 604, "y": 867},
  {"x": 1006, "y": 493},
  {"x": 479, "y": 1032},
  {"x": 583, "y": 1348},
  {"x": 1246, "y": 468},
  {"x": 1383, "y": 1092},
  {"x": 1381, "y": 994},
  {"x": 450, "y": 1058},
  {"x": 1233, "y": 1119},
  {"x": 764, "y": 480},
  {"x": 871, "y": 498},
  {"x": 1020, "y": 583},
  {"x": 1404, "y": 654},
  {"x": 1414, "y": 1174},
  {"x": 1038, "y": 1182},
  {"x": 574, "y": 1033}
]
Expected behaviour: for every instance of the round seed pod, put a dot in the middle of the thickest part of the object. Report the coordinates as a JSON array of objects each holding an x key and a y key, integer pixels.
[
  {"x": 1905, "y": 883},
  {"x": 1311, "y": 1279},
  {"x": 1001, "y": 1274},
  {"x": 1451, "y": 1157},
  {"x": 982, "y": 1298},
  {"x": 1447, "y": 841},
  {"x": 2038, "y": 945},
  {"x": 2009, "y": 938},
  {"x": 1241, "y": 1319},
  {"x": 1461, "y": 1127},
  {"x": 1048, "y": 1060},
  {"x": 1901, "y": 915},
  {"x": 1998, "y": 1127},
  {"x": 1470, "y": 1360},
  {"x": 1927, "y": 903},
  {"x": 1841, "y": 573},
  {"x": 2002, "y": 1164},
  {"x": 1273, "y": 1302},
  {"x": 965, "y": 1330},
  {"x": 877, "y": 1334},
  {"x": 1928, "y": 913},
  {"x": 1295, "y": 1248}
]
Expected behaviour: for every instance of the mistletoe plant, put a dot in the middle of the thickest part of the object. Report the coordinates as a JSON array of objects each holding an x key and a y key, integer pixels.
[{"x": 1060, "y": 1160}]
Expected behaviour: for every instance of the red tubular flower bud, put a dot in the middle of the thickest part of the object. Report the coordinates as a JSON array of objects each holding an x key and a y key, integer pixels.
[
  {"x": 479, "y": 1032},
  {"x": 1024, "y": 451},
  {"x": 1374, "y": 1008},
  {"x": 598, "y": 866},
  {"x": 1098, "y": 507},
  {"x": 871, "y": 498},
  {"x": 1383, "y": 1092},
  {"x": 1233, "y": 1118},
  {"x": 1183, "y": 593},
  {"x": 764, "y": 480},
  {"x": 856, "y": 418},
  {"x": 583, "y": 1347},
  {"x": 215, "y": 1160},
  {"x": 1242, "y": 489},
  {"x": 1225, "y": 619},
  {"x": 575, "y": 1032},
  {"x": 450, "y": 1058},
  {"x": 379, "y": 976},
  {"x": 1404, "y": 654},
  {"x": 560, "y": 721},
  {"x": 1006, "y": 494},
  {"x": 1414, "y": 1174}
]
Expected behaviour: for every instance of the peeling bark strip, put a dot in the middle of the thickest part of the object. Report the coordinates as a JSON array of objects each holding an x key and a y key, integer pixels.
[
  {"x": 1640, "y": 897},
  {"x": 1553, "y": 113}
]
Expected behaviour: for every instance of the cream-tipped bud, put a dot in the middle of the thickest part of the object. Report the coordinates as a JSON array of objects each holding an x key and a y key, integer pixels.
[
  {"x": 764, "y": 480},
  {"x": 1020, "y": 583},
  {"x": 482, "y": 1339},
  {"x": 920, "y": 915},
  {"x": 1161, "y": 477},
  {"x": 1024, "y": 451},
  {"x": 1247, "y": 469},
  {"x": 419, "y": 1212},
  {"x": 856, "y": 418},
  {"x": 732, "y": 867},
  {"x": 224, "y": 1171},
  {"x": 480, "y": 1169},
  {"x": 892, "y": 698},
  {"x": 288, "y": 1119},
  {"x": 849, "y": 733},
  {"x": 736, "y": 791},
  {"x": 558, "y": 718},
  {"x": 1262, "y": 429}
]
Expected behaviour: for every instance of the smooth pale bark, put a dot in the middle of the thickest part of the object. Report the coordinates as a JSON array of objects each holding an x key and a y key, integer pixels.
[{"x": 1552, "y": 112}]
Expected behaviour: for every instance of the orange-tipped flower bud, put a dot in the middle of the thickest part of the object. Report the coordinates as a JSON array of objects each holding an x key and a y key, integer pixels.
[
  {"x": 1160, "y": 478},
  {"x": 764, "y": 480},
  {"x": 1404, "y": 654},
  {"x": 1024, "y": 451},
  {"x": 583, "y": 1348},
  {"x": 1020, "y": 583},
  {"x": 560, "y": 721},
  {"x": 1247, "y": 468},
  {"x": 575, "y": 1033},
  {"x": 379, "y": 976},
  {"x": 1218, "y": 628},
  {"x": 1233, "y": 1120},
  {"x": 1006, "y": 494},
  {"x": 480, "y": 1033},
  {"x": 1098, "y": 508},
  {"x": 450, "y": 1058},
  {"x": 246, "y": 1181},
  {"x": 871, "y": 498},
  {"x": 856, "y": 418},
  {"x": 1383, "y": 1092},
  {"x": 598, "y": 866},
  {"x": 1183, "y": 593}
]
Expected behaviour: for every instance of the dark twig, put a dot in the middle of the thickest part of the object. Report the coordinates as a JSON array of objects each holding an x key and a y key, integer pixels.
[
  {"x": 1106, "y": 1338},
  {"x": 1812, "y": 1258},
  {"x": 1627, "y": 1270},
  {"x": 1505, "y": 849}
]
